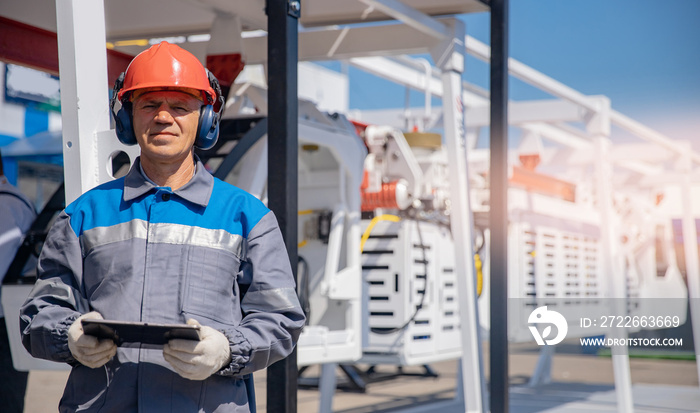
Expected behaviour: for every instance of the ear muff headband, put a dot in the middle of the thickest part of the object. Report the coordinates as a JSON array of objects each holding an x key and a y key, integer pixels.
[{"x": 209, "y": 118}]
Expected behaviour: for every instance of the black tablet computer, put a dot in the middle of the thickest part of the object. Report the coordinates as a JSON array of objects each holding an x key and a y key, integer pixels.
[{"x": 138, "y": 332}]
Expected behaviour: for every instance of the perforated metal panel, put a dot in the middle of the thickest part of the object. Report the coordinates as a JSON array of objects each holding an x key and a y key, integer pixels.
[
  {"x": 557, "y": 264},
  {"x": 557, "y": 259}
]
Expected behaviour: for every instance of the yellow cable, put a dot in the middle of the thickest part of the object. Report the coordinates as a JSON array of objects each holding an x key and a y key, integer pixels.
[
  {"x": 375, "y": 220},
  {"x": 133, "y": 42},
  {"x": 479, "y": 274},
  {"x": 304, "y": 212}
]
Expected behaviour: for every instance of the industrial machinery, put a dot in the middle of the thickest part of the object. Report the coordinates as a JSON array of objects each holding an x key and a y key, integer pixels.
[
  {"x": 330, "y": 171},
  {"x": 408, "y": 250}
]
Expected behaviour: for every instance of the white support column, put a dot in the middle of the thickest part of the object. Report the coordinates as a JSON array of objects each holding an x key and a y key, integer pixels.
[
  {"x": 690, "y": 248},
  {"x": 599, "y": 127},
  {"x": 543, "y": 368},
  {"x": 451, "y": 59},
  {"x": 84, "y": 90},
  {"x": 326, "y": 387}
]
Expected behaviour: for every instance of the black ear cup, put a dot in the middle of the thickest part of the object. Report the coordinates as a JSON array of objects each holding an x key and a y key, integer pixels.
[
  {"x": 208, "y": 130},
  {"x": 124, "y": 129},
  {"x": 122, "y": 119},
  {"x": 210, "y": 117}
]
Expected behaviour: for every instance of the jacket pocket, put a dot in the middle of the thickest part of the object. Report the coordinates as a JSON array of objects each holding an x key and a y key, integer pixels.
[{"x": 210, "y": 288}]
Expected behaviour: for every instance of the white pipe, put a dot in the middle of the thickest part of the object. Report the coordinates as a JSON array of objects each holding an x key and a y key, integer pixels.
[
  {"x": 651, "y": 135},
  {"x": 428, "y": 95},
  {"x": 338, "y": 41},
  {"x": 612, "y": 271},
  {"x": 462, "y": 226},
  {"x": 530, "y": 75},
  {"x": 690, "y": 248},
  {"x": 335, "y": 243},
  {"x": 410, "y": 16},
  {"x": 84, "y": 99}
]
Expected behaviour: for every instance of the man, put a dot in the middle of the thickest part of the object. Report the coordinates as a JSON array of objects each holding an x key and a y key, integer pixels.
[
  {"x": 16, "y": 216},
  {"x": 168, "y": 243}
]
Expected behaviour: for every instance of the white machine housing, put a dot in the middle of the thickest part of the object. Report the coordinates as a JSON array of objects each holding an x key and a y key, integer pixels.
[
  {"x": 330, "y": 173},
  {"x": 408, "y": 269}
]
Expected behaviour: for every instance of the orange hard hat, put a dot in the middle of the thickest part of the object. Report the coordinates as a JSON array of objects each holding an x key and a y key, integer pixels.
[{"x": 166, "y": 65}]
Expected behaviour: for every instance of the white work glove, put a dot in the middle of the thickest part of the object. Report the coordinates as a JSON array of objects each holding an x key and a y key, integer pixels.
[
  {"x": 89, "y": 350},
  {"x": 197, "y": 360}
]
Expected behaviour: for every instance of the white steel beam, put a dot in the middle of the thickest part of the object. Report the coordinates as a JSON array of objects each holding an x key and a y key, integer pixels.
[
  {"x": 549, "y": 111},
  {"x": 556, "y": 134},
  {"x": 643, "y": 151},
  {"x": 401, "y": 74},
  {"x": 410, "y": 16},
  {"x": 398, "y": 73},
  {"x": 586, "y": 155},
  {"x": 417, "y": 64},
  {"x": 461, "y": 222},
  {"x": 530, "y": 75},
  {"x": 668, "y": 179},
  {"x": 84, "y": 92},
  {"x": 651, "y": 135},
  {"x": 346, "y": 43},
  {"x": 613, "y": 271},
  {"x": 639, "y": 167}
]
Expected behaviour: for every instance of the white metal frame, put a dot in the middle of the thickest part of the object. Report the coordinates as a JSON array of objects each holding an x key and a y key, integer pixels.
[
  {"x": 88, "y": 142},
  {"x": 575, "y": 106}
]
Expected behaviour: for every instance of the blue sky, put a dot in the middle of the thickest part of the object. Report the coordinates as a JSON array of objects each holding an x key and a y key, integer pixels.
[{"x": 643, "y": 54}]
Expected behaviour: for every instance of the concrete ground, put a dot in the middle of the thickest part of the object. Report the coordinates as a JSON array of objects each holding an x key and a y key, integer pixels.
[{"x": 579, "y": 381}]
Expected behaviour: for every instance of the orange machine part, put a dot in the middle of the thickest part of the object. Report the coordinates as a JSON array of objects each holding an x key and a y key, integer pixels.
[
  {"x": 530, "y": 161},
  {"x": 385, "y": 198},
  {"x": 226, "y": 67},
  {"x": 359, "y": 128},
  {"x": 543, "y": 184}
]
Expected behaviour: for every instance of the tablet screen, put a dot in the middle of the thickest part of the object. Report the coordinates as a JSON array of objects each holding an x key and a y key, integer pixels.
[{"x": 138, "y": 332}]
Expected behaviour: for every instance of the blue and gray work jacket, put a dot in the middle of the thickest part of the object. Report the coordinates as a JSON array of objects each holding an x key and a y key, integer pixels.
[{"x": 137, "y": 252}]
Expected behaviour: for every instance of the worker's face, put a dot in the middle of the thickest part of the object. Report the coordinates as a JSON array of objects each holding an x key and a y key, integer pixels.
[{"x": 165, "y": 124}]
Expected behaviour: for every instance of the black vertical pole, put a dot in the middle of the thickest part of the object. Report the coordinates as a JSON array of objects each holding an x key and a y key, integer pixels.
[
  {"x": 282, "y": 158},
  {"x": 498, "y": 221}
]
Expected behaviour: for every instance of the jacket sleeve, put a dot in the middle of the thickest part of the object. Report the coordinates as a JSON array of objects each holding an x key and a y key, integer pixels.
[
  {"x": 55, "y": 301},
  {"x": 273, "y": 317}
]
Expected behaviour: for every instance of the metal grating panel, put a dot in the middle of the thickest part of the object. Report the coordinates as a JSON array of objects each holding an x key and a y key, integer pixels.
[{"x": 558, "y": 263}]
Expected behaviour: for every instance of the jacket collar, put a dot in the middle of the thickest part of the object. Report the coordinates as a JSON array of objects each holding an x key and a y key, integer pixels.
[{"x": 198, "y": 190}]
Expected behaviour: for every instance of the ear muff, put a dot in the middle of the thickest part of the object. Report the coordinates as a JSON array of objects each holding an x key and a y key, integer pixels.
[
  {"x": 124, "y": 129},
  {"x": 210, "y": 117},
  {"x": 208, "y": 129},
  {"x": 122, "y": 119}
]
